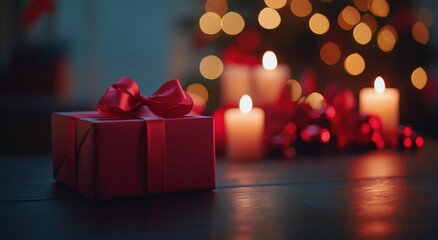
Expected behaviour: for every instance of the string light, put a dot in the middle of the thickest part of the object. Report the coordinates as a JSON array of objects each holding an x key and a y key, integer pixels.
[
  {"x": 319, "y": 24},
  {"x": 210, "y": 23},
  {"x": 419, "y": 78},
  {"x": 420, "y": 33},
  {"x": 269, "y": 18},
  {"x": 362, "y": 33},
  {"x": 211, "y": 67},
  {"x": 354, "y": 64},
  {"x": 330, "y": 53},
  {"x": 232, "y": 23},
  {"x": 301, "y": 8}
]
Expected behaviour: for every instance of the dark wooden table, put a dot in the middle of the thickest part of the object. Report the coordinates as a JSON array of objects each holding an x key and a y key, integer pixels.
[{"x": 376, "y": 195}]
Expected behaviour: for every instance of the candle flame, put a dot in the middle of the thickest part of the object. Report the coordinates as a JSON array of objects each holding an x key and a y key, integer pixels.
[
  {"x": 245, "y": 104},
  {"x": 379, "y": 85},
  {"x": 269, "y": 60}
]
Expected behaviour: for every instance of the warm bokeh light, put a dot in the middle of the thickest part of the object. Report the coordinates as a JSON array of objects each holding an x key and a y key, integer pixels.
[
  {"x": 198, "y": 89},
  {"x": 269, "y": 60},
  {"x": 379, "y": 8},
  {"x": 276, "y": 4},
  {"x": 361, "y": 5},
  {"x": 419, "y": 78},
  {"x": 362, "y": 33},
  {"x": 217, "y": 6},
  {"x": 387, "y": 38},
  {"x": 354, "y": 64},
  {"x": 350, "y": 15},
  {"x": 425, "y": 16},
  {"x": 295, "y": 89},
  {"x": 342, "y": 24},
  {"x": 315, "y": 100},
  {"x": 420, "y": 33},
  {"x": 371, "y": 21},
  {"x": 330, "y": 53},
  {"x": 245, "y": 104},
  {"x": 210, "y": 23},
  {"x": 301, "y": 8},
  {"x": 379, "y": 85},
  {"x": 269, "y": 18},
  {"x": 211, "y": 67},
  {"x": 319, "y": 24},
  {"x": 232, "y": 23}
]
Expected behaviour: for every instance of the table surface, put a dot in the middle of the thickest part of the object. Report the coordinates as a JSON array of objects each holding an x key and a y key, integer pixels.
[{"x": 376, "y": 195}]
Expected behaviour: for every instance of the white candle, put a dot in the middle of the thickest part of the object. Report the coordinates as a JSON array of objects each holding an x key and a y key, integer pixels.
[
  {"x": 269, "y": 79},
  {"x": 244, "y": 131},
  {"x": 235, "y": 82},
  {"x": 383, "y": 103}
]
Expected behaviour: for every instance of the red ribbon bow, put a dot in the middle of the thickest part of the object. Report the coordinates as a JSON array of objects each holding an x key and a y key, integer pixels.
[{"x": 123, "y": 98}]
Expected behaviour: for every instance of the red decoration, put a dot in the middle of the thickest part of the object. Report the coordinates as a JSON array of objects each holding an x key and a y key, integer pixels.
[{"x": 130, "y": 150}]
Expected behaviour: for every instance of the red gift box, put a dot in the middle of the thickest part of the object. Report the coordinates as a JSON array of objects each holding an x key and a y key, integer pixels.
[{"x": 101, "y": 156}]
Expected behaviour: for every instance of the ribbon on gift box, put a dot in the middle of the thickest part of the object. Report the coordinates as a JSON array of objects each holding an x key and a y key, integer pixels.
[{"x": 123, "y": 99}]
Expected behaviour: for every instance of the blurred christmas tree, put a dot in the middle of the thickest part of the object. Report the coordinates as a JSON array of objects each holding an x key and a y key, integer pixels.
[{"x": 325, "y": 43}]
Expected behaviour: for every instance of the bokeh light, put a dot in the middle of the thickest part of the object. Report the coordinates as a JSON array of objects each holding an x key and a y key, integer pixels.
[
  {"x": 276, "y": 4},
  {"x": 211, "y": 67},
  {"x": 301, "y": 8},
  {"x": 330, "y": 53},
  {"x": 354, "y": 64},
  {"x": 371, "y": 21},
  {"x": 269, "y": 18},
  {"x": 420, "y": 33},
  {"x": 379, "y": 8},
  {"x": 217, "y": 6},
  {"x": 387, "y": 37},
  {"x": 210, "y": 23},
  {"x": 361, "y": 5},
  {"x": 295, "y": 89},
  {"x": 350, "y": 15},
  {"x": 342, "y": 23},
  {"x": 419, "y": 78},
  {"x": 232, "y": 23},
  {"x": 319, "y": 24},
  {"x": 198, "y": 89},
  {"x": 269, "y": 60},
  {"x": 362, "y": 33},
  {"x": 315, "y": 100}
]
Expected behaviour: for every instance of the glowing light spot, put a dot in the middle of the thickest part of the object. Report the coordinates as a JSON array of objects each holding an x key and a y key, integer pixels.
[
  {"x": 210, "y": 23},
  {"x": 420, "y": 33},
  {"x": 387, "y": 38},
  {"x": 379, "y": 8},
  {"x": 296, "y": 89},
  {"x": 342, "y": 23},
  {"x": 290, "y": 128},
  {"x": 245, "y": 104},
  {"x": 375, "y": 123},
  {"x": 407, "y": 142},
  {"x": 198, "y": 89},
  {"x": 301, "y": 8},
  {"x": 330, "y": 112},
  {"x": 365, "y": 128},
  {"x": 232, "y": 23},
  {"x": 319, "y": 24},
  {"x": 306, "y": 135},
  {"x": 315, "y": 100},
  {"x": 211, "y": 67},
  {"x": 269, "y": 18},
  {"x": 379, "y": 85},
  {"x": 330, "y": 53},
  {"x": 419, "y": 78},
  {"x": 269, "y": 60},
  {"x": 354, "y": 64},
  {"x": 371, "y": 21},
  {"x": 217, "y": 6},
  {"x": 276, "y": 4},
  {"x": 419, "y": 141},
  {"x": 425, "y": 16},
  {"x": 362, "y": 33},
  {"x": 407, "y": 131},
  {"x": 350, "y": 15},
  {"x": 325, "y": 136},
  {"x": 361, "y": 5}
]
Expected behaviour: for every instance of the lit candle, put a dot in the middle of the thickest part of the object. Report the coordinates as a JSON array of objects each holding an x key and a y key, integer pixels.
[
  {"x": 234, "y": 83},
  {"x": 244, "y": 131},
  {"x": 269, "y": 79},
  {"x": 383, "y": 103}
]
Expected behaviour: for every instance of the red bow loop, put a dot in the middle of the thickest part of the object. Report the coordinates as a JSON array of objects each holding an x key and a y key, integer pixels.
[{"x": 123, "y": 98}]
